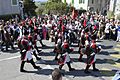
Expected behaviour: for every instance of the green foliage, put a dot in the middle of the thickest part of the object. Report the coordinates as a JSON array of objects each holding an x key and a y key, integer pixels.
[
  {"x": 29, "y": 7},
  {"x": 46, "y": 11},
  {"x": 40, "y": 9},
  {"x": 110, "y": 14},
  {"x": 54, "y": 1},
  {"x": 55, "y": 5}
]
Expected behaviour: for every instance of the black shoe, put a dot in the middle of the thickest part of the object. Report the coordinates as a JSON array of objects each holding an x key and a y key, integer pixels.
[
  {"x": 38, "y": 58},
  {"x": 60, "y": 68},
  {"x": 95, "y": 69},
  {"x": 13, "y": 48},
  {"x": 23, "y": 70},
  {"x": 72, "y": 69},
  {"x": 6, "y": 49},
  {"x": 37, "y": 67},
  {"x": 87, "y": 72},
  {"x": 43, "y": 45},
  {"x": 56, "y": 59},
  {"x": 2, "y": 49},
  {"x": 39, "y": 51}
]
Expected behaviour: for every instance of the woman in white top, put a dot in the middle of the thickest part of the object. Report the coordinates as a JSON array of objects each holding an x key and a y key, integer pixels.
[{"x": 118, "y": 32}]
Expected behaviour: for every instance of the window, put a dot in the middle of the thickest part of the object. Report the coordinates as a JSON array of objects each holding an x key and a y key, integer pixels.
[
  {"x": 81, "y": 1},
  {"x": 92, "y": 1},
  {"x": 14, "y": 2}
]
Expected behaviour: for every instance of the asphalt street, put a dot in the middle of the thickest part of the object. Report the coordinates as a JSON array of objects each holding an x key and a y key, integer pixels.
[{"x": 108, "y": 62}]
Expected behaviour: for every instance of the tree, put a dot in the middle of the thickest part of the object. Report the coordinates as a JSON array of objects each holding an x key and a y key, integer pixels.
[
  {"x": 55, "y": 6},
  {"x": 54, "y": 1},
  {"x": 29, "y": 7},
  {"x": 40, "y": 9}
]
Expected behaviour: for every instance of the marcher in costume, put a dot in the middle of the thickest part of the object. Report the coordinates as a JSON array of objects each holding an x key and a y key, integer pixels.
[
  {"x": 26, "y": 55},
  {"x": 65, "y": 58}
]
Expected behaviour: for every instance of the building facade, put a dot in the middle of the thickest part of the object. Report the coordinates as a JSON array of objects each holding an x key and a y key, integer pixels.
[
  {"x": 115, "y": 6},
  {"x": 93, "y": 5},
  {"x": 8, "y": 7}
]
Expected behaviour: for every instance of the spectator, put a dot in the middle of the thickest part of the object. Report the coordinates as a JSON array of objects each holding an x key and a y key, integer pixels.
[
  {"x": 118, "y": 32},
  {"x": 56, "y": 74},
  {"x": 107, "y": 30},
  {"x": 116, "y": 76}
]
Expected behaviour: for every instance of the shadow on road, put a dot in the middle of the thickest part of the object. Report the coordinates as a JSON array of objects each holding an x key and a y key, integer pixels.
[
  {"x": 98, "y": 61},
  {"x": 48, "y": 62},
  {"x": 46, "y": 54},
  {"x": 118, "y": 61},
  {"x": 76, "y": 73},
  {"x": 106, "y": 47},
  {"x": 48, "y": 47},
  {"x": 108, "y": 53},
  {"x": 11, "y": 51},
  {"x": 100, "y": 73}
]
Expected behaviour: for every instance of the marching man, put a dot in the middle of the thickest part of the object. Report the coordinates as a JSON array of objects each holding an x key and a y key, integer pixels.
[
  {"x": 65, "y": 58},
  {"x": 26, "y": 55},
  {"x": 91, "y": 51}
]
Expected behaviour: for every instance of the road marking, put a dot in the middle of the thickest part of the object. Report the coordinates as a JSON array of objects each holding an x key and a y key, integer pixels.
[
  {"x": 117, "y": 49},
  {"x": 98, "y": 43},
  {"x": 107, "y": 72},
  {"x": 50, "y": 76},
  {"x": 9, "y": 58},
  {"x": 117, "y": 65},
  {"x": 118, "y": 45},
  {"x": 48, "y": 67},
  {"x": 110, "y": 61},
  {"x": 106, "y": 69},
  {"x": 40, "y": 61},
  {"x": 115, "y": 55}
]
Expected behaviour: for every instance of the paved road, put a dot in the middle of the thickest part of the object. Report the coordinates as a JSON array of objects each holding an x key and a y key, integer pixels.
[{"x": 108, "y": 61}]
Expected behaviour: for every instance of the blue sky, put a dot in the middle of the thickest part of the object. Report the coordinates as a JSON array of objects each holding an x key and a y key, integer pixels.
[{"x": 41, "y": 0}]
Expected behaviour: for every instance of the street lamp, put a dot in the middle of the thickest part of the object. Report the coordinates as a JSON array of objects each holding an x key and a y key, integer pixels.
[{"x": 21, "y": 8}]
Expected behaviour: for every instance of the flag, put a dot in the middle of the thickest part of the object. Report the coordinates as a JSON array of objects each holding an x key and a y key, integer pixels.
[{"x": 85, "y": 23}]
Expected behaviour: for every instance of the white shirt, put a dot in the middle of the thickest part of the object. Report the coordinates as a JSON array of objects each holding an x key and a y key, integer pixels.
[
  {"x": 107, "y": 28},
  {"x": 28, "y": 55}
]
